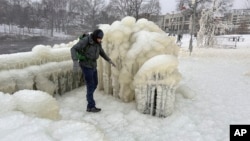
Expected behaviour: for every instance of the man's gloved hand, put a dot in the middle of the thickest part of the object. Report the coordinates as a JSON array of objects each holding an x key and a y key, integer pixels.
[
  {"x": 76, "y": 66},
  {"x": 113, "y": 64}
]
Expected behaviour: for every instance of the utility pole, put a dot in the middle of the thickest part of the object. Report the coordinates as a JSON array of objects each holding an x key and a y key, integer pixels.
[{"x": 194, "y": 5}]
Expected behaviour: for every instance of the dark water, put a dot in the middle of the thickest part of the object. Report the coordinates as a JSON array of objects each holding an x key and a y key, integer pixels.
[{"x": 14, "y": 46}]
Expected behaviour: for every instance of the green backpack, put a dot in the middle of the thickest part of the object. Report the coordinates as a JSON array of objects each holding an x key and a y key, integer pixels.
[
  {"x": 80, "y": 54},
  {"x": 83, "y": 35}
]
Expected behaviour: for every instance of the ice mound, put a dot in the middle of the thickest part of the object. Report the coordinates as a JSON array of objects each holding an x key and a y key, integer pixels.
[{"x": 38, "y": 103}]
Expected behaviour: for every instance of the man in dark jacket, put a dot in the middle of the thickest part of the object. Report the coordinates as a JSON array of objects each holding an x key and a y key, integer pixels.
[{"x": 93, "y": 48}]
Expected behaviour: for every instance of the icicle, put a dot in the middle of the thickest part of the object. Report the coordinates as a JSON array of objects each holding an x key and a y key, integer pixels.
[
  {"x": 152, "y": 99},
  {"x": 158, "y": 100},
  {"x": 163, "y": 101}
]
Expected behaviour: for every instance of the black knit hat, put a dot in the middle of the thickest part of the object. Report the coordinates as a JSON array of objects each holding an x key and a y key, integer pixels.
[{"x": 97, "y": 34}]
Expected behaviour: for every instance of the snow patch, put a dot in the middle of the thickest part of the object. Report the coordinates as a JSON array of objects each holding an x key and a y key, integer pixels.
[{"x": 37, "y": 103}]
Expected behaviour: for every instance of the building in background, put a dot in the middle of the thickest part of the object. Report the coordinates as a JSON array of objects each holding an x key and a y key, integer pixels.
[
  {"x": 176, "y": 23},
  {"x": 237, "y": 21}
]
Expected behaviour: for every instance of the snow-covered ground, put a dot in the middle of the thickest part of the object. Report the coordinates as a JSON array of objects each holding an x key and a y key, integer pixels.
[{"x": 220, "y": 79}]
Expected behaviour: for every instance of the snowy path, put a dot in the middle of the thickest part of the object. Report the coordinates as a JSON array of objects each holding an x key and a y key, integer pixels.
[{"x": 222, "y": 95}]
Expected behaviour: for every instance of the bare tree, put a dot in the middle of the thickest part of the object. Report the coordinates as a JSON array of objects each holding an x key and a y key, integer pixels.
[
  {"x": 36, "y": 16},
  {"x": 222, "y": 6},
  {"x": 72, "y": 12},
  {"x": 55, "y": 13},
  {"x": 5, "y": 16},
  {"x": 151, "y": 7},
  {"x": 60, "y": 15},
  {"x": 106, "y": 18},
  {"x": 134, "y": 7},
  {"x": 208, "y": 22},
  {"x": 121, "y": 8},
  {"x": 89, "y": 11},
  {"x": 4, "y": 9},
  {"x": 49, "y": 14}
]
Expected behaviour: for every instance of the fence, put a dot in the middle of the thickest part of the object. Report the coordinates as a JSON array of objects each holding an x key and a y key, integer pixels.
[{"x": 227, "y": 41}]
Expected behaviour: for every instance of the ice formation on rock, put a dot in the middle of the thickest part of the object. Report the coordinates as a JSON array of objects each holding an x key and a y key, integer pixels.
[
  {"x": 155, "y": 85},
  {"x": 53, "y": 78},
  {"x": 130, "y": 44}
]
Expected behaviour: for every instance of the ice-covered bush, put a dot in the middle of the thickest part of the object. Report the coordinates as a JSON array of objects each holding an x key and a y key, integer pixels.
[{"x": 130, "y": 44}]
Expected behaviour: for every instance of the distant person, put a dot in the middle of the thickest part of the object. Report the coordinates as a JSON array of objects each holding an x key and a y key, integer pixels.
[
  {"x": 195, "y": 35},
  {"x": 90, "y": 48},
  {"x": 179, "y": 37}
]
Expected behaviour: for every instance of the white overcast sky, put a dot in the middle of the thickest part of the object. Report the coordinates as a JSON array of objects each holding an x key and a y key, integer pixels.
[{"x": 167, "y": 6}]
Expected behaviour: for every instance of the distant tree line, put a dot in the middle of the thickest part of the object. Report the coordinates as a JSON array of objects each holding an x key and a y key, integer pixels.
[{"x": 70, "y": 16}]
